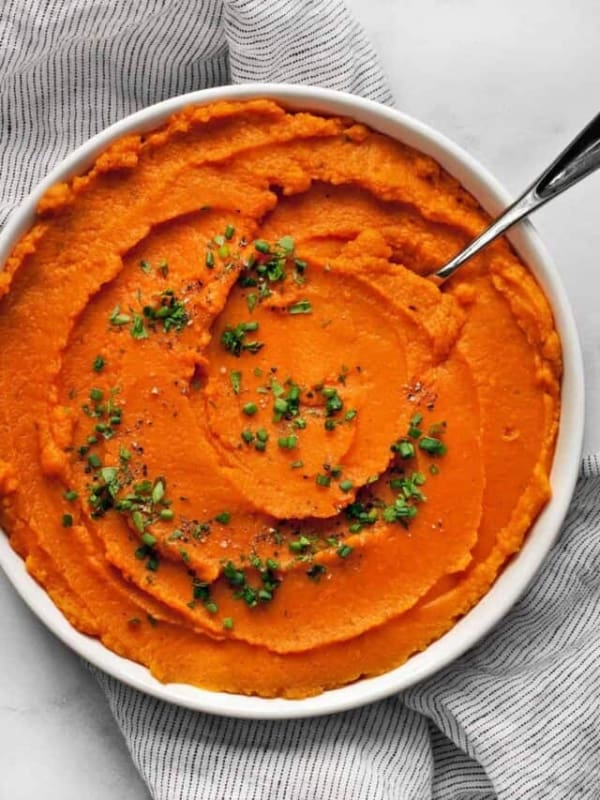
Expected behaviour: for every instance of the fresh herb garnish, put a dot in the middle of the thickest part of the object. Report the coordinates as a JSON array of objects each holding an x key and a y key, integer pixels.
[
  {"x": 117, "y": 318},
  {"x": 269, "y": 264},
  {"x": 333, "y": 402},
  {"x": 404, "y": 449},
  {"x": 138, "y": 329},
  {"x": 234, "y": 341},
  {"x": 236, "y": 381},
  {"x": 169, "y": 310},
  {"x": 253, "y": 595},
  {"x": 98, "y": 364},
  {"x": 433, "y": 446},
  {"x": 301, "y": 307}
]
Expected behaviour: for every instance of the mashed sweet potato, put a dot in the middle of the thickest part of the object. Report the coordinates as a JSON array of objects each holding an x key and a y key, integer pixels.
[{"x": 243, "y": 440}]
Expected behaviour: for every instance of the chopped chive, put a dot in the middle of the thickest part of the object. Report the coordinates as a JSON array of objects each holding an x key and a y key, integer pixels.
[
  {"x": 158, "y": 491},
  {"x": 280, "y": 406},
  {"x": 146, "y": 267},
  {"x": 287, "y": 244},
  {"x": 209, "y": 259},
  {"x": 118, "y": 319},
  {"x": 149, "y": 540},
  {"x": 229, "y": 231},
  {"x": 251, "y": 301},
  {"x": 322, "y": 480},
  {"x": 211, "y": 607},
  {"x": 247, "y": 436},
  {"x": 287, "y": 442},
  {"x": 344, "y": 550},
  {"x": 346, "y": 485},
  {"x": 432, "y": 446},
  {"x": 233, "y": 339},
  {"x": 166, "y": 514},
  {"x": 108, "y": 474},
  {"x": 223, "y": 251},
  {"x": 94, "y": 461},
  {"x": 262, "y": 435},
  {"x": 434, "y": 469},
  {"x": 350, "y": 414},
  {"x": 296, "y": 464},
  {"x": 300, "y": 544},
  {"x": 223, "y": 517},
  {"x": 67, "y": 520},
  {"x": 404, "y": 449},
  {"x": 70, "y": 495},
  {"x": 301, "y": 307},
  {"x": 138, "y": 521},
  {"x": 236, "y": 381},
  {"x": 227, "y": 623},
  {"x": 250, "y": 409},
  {"x": 262, "y": 246},
  {"x": 96, "y": 395},
  {"x": 98, "y": 364}
]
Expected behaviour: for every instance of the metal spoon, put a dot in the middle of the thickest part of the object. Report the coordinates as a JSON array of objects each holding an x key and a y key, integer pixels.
[{"x": 576, "y": 161}]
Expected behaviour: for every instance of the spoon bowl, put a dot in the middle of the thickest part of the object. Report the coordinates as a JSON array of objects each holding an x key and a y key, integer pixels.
[{"x": 579, "y": 159}]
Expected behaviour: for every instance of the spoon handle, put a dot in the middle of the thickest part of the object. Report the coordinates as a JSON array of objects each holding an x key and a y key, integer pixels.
[{"x": 577, "y": 160}]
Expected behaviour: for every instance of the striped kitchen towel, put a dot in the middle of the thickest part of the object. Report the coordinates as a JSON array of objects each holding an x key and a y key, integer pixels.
[{"x": 519, "y": 715}]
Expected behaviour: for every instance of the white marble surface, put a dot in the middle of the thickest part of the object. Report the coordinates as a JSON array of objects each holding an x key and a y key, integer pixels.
[{"x": 512, "y": 82}]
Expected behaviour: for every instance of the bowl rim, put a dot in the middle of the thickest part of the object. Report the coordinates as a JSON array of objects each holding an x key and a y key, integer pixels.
[{"x": 515, "y": 577}]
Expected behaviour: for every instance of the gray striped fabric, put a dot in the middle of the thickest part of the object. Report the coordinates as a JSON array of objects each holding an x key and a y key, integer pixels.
[{"x": 519, "y": 716}]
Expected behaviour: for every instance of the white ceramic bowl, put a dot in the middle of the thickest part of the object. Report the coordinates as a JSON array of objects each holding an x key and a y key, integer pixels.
[{"x": 513, "y": 580}]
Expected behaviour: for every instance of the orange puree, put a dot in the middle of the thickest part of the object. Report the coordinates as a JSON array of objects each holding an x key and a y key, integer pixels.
[{"x": 243, "y": 440}]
